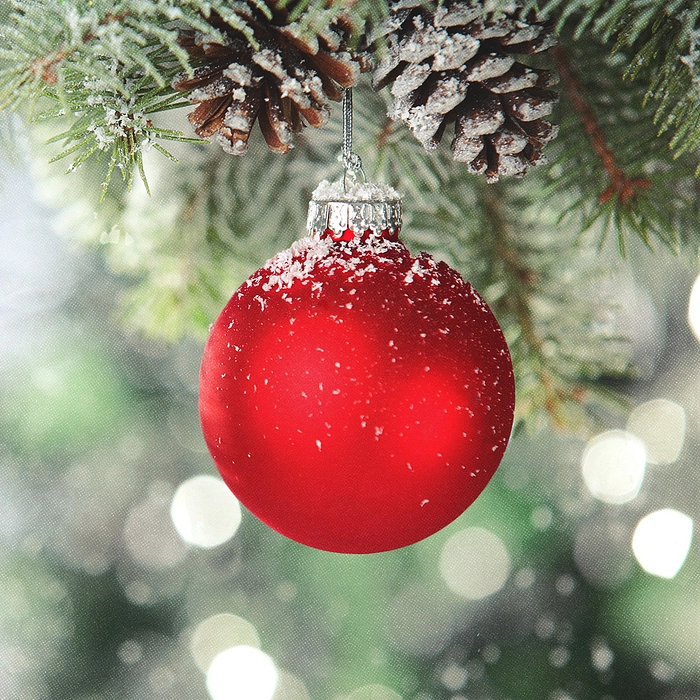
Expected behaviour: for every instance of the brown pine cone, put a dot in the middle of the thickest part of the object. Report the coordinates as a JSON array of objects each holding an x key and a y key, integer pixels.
[
  {"x": 284, "y": 84},
  {"x": 455, "y": 64}
]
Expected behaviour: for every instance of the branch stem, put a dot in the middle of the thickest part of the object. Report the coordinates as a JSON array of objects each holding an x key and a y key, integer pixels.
[{"x": 622, "y": 187}]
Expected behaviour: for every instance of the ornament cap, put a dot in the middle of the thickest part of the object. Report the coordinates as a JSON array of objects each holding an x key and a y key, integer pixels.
[{"x": 359, "y": 211}]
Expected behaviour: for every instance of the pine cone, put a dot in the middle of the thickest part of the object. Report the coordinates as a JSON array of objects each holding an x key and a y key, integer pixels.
[
  {"x": 284, "y": 84},
  {"x": 455, "y": 64}
]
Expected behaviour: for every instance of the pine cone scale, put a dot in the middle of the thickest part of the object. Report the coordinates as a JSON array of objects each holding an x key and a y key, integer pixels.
[
  {"x": 446, "y": 95},
  {"x": 519, "y": 77},
  {"x": 455, "y": 52},
  {"x": 487, "y": 66},
  {"x": 458, "y": 14},
  {"x": 209, "y": 116},
  {"x": 339, "y": 67},
  {"x": 411, "y": 79},
  {"x": 529, "y": 105}
]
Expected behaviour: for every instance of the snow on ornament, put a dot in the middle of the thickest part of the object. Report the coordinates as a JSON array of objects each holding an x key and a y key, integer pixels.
[{"x": 353, "y": 397}]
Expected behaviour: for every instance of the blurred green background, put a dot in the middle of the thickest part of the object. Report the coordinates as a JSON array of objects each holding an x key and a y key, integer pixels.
[{"x": 535, "y": 593}]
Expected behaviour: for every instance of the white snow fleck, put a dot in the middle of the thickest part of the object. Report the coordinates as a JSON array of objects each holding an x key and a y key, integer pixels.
[
  {"x": 424, "y": 501},
  {"x": 302, "y": 259},
  {"x": 239, "y": 74},
  {"x": 271, "y": 62},
  {"x": 318, "y": 444}
]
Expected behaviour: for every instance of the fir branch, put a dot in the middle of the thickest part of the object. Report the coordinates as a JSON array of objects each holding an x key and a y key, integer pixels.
[
  {"x": 42, "y": 38},
  {"x": 647, "y": 193},
  {"x": 667, "y": 59},
  {"x": 543, "y": 310}
]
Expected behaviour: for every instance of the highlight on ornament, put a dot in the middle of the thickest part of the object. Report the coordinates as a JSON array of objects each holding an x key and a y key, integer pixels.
[{"x": 354, "y": 397}]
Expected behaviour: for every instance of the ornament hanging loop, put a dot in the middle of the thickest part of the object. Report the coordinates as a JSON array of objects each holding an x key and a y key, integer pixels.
[{"x": 352, "y": 163}]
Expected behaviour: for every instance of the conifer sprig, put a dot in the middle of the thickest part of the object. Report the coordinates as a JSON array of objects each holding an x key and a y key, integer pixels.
[
  {"x": 113, "y": 124},
  {"x": 666, "y": 57}
]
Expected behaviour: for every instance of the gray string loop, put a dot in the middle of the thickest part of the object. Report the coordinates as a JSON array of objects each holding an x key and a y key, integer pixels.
[{"x": 352, "y": 163}]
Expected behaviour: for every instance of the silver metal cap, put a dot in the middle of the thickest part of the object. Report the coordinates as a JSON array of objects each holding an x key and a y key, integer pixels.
[{"x": 360, "y": 211}]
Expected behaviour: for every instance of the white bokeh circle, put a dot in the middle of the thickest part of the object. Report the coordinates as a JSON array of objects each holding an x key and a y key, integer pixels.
[{"x": 205, "y": 512}]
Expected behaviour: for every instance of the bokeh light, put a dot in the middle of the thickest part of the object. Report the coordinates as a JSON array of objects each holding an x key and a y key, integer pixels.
[
  {"x": 290, "y": 687},
  {"x": 613, "y": 466},
  {"x": 474, "y": 563},
  {"x": 662, "y": 540},
  {"x": 694, "y": 308},
  {"x": 205, "y": 512},
  {"x": 218, "y": 633},
  {"x": 660, "y": 424},
  {"x": 242, "y": 673},
  {"x": 374, "y": 692}
]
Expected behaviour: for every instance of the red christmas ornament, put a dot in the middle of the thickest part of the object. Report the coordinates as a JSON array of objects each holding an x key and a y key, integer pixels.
[{"x": 355, "y": 398}]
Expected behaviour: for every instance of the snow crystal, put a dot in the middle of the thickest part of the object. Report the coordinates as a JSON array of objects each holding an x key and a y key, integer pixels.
[
  {"x": 238, "y": 147},
  {"x": 291, "y": 87},
  {"x": 455, "y": 52},
  {"x": 421, "y": 43},
  {"x": 423, "y": 124},
  {"x": 287, "y": 266},
  {"x": 235, "y": 120},
  {"x": 240, "y": 74},
  {"x": 416, "y": 269},
  {"x": 271, "y": 62}
]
